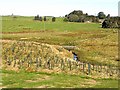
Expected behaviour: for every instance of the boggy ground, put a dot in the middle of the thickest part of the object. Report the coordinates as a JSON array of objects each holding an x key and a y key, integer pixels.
[{"x": 92, "y": 46}]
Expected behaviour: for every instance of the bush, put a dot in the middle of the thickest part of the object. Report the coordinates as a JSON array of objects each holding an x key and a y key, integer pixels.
[
  {"x": 45, "y": 18},
  {"x": 40, "y": 18},
  {"x": 82, "y": 18},
  {"x": 53, "y": 19},
  {"x": 101, "y": 15},
  {"x": 106, "y": 24},
  {"x": 73, "y": 18},
  {"x": 65, "y": 19},
  {"x": 36, "y": 17},
  {"x": 112, "y": 22},
  {"x": 77, "y": 12}
]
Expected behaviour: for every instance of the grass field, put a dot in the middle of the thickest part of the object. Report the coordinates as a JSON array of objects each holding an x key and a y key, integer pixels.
[
  {"x": 28, "y": 24},
  {"x": 23, "y": 79},
  {"x": 94, "y": 45}
]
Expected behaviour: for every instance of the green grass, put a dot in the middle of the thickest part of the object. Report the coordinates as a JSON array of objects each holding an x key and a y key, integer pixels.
[
  {"x": 20, "y": 24},
  {"x": 21, "y": 79},
  {"x": 95, "y": 45}
]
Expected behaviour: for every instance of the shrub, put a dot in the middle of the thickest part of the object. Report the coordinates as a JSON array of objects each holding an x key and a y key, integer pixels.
[
  {"x": 40, "y": 18},
  {"x": 65, "y": 19},
  {"x": 112, "y": 22},
  {"x": 73, "y": 18},
  {"x": 45, "y": 18},
  {"x": 36, "y": 17},
  {"x": 53, "y": 19},
  {"x": 101, "y": 15}
]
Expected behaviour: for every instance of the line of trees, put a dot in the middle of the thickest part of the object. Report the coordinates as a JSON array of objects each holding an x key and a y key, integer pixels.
[
  {"x": 79, "y": 16},
  {"x": 107, "y": 21},
  {"x": 44, "y": 18}
]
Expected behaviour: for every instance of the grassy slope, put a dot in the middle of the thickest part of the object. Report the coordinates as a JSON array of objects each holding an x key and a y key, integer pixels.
[
  {"x": 28, "y": 24},
  {"x": 43, "y": 80},
  {"x": 95, "y": 44}
]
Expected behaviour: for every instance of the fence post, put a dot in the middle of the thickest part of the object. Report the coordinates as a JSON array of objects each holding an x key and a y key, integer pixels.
[
  {"x": 40, "y": 62},
  {"x": 96, "y": 68},
  {"x": 9, "y": 62},
  {"x": 55, "y": 58},
  {"x": 110, "y": 70},
  {"x": 93, "y": 67},
  {"x": 89, "y": 67},
  {"x": 83, "y": 67},
  {"x": 62, "y": 64},
  {"x": 37, "y": 63},
  {"x": 116, "y": 70},
  {"x": 48, "y": 64},
  {"x": 107, "y": 70},
  {"x": 28, "y": 63},
  {"x": 14, "y": 63},
  {"x": 70, "y": 65},
  {"x": 52, "y": 63},
  {"x": 100, "y": 67}
]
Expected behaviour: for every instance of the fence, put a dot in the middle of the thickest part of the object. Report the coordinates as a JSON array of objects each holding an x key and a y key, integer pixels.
[{"x": 18, "y": 55}]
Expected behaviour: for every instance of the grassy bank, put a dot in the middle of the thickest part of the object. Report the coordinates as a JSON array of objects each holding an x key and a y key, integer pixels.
[{"x": 46, "y": 80}]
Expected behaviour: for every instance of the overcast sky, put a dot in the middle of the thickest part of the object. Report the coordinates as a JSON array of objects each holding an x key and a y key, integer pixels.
[{"x": 57, "y": 7}]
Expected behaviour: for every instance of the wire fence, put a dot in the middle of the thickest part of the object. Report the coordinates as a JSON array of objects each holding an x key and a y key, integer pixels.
[{"x": 19, "y": 55}]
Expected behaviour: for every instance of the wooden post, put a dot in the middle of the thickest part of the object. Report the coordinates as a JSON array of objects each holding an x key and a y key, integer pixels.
[
  {"x": 14, "y": 63},
  {"x": 37, "y": 63},
  {"x": 40, "y": 62},
  {"x": 9, "y": 62},
  {"x": 62, "y": 64},
  {"x": 28, "y": 64},
  {"x": 107, "y": 71},
  {"x": 70, "y": 65},
  {"x": 79, "y": 66},
  {"x": 83, "y": 67},
  {"x": 55, "y": 58},
  {"x": 30, "y": 61},
  {"x": 89, "y": 68},
  {"x": 48, "y": 64},
  {"x": 52, "y": 64},
  {"x": 101, "y": 68},
  {"x": 96, "y": 68},
  {"x": 19, "y": 65},
  {"x": 93, "y": 67}
]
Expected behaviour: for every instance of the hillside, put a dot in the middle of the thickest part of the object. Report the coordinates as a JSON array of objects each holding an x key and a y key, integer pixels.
[{"x": 31, "y": 47}]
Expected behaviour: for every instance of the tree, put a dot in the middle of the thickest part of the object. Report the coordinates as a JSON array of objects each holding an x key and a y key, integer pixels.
[
  {"x": 77, "y": 12},
  {"x": 53, "y": 19},
  {"x": 82, "y": 18},
  {"x": 45, "y": 18},
  {"x": 108, "y": 16},
  {"x": 86, "y": 14},
  {"x": 40, "y": 18},
  {"x": 73, "y": 18},
  {"x": 66, "y": 15},
  {"x": 101, "y": 15},
  {"x": 105, "y": 24},
  {"x": 65, "y": 19},
  {"x": 36, "y": 17}
]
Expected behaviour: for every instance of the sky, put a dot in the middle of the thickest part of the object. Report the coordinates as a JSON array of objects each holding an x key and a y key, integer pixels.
[{"x": 57, "y": 7}]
